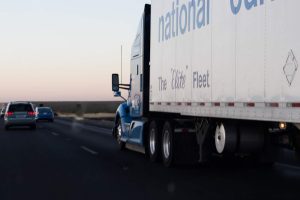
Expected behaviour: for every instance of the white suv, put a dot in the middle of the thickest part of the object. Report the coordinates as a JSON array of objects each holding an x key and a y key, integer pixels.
[{"x": 19, "y": 114}]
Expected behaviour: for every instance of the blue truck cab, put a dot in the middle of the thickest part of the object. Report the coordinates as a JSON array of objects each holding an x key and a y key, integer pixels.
[{"x": 131, "y": 116}]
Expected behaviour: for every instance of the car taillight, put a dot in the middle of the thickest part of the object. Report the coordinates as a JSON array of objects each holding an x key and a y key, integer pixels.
[
  {"x": 9, "y": 114},
  {"x": 31, "y": 113}
]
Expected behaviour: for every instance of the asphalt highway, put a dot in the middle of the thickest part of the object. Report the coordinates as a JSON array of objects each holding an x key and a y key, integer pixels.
[{"x": 74, "y": 160}]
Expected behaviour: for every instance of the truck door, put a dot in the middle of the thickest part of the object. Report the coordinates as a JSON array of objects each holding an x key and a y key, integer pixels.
[
  {"x": 139, "y": 94},
  {"x": 136, "y": 93}
]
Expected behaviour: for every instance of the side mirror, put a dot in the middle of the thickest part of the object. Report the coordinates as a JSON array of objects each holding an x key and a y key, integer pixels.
[{"x": 115, "y": 82}]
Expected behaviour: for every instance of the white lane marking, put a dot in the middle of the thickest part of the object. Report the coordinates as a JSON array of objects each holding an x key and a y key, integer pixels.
[
  {"x": 288, "y": 166},
  {"x": 89, "y": 150},
  {"x": 55, "y": 134}
]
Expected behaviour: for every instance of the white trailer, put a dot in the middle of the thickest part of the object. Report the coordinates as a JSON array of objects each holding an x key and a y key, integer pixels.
[
  {"x": 240, "y": 64},
  {"x": 225, "y": 71}
]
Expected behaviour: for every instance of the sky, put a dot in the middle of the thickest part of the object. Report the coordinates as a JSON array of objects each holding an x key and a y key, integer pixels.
[{"x": 65, "y": 50}]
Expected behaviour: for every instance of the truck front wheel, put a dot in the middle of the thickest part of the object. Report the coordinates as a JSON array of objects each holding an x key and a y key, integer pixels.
[{"x": 121, "y": 144}]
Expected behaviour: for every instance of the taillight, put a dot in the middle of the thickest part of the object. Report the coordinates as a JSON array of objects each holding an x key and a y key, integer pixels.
[
  {"x": 9, "y": 114},
  {"x": 31, "y": 113}
]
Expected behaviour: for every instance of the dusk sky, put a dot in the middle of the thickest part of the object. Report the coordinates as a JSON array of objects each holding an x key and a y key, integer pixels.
[{"x": 64, "y": 49}]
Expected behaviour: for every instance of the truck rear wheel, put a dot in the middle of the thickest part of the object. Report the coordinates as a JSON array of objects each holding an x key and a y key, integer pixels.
[
  {"x": 168, "y": 145},
  {"x": 154, "y": 141}
]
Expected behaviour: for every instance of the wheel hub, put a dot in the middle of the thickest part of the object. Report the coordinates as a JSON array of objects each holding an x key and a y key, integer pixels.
[
  {"x": 166, "y": 144},
  {"x": 152, "y": 141},
  {"x": 220, "y": 138},
  {"x": 119, "y": 130}
]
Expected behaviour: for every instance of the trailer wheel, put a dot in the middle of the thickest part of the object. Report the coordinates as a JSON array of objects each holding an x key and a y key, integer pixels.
[
  {"x": 168, "y": 145},
  {"x": 226, "y": 138},
  {"x": 294, "y": 134},
  {"x": 121, "y": 144},
  {"x": 153, "y": 142},
  {"x": 252, "y": 138}
]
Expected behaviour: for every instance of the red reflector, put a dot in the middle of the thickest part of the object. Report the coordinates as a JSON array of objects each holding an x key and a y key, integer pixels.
[
  {"x": 217, "y": 104},
  {"x": 274, "y": 104},
  {"x": 296, "y": 105},
  {"x": 251, "y": 104},
  {"x": 231, "y": 104}
]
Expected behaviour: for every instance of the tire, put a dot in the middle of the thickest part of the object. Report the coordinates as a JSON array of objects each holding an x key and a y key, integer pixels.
[
  {"x": 154, "y": 142},
  {"x": 118, "y": 135},
  {"x": 33, "y": 127},
  {"x": 252, "y": 138},
  {"x": 167, "y": 145},
  {"x": 226, "y": 138}
]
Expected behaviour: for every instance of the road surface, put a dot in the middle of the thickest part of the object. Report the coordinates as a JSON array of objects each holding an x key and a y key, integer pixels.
[{"x": 67, "y": 160}]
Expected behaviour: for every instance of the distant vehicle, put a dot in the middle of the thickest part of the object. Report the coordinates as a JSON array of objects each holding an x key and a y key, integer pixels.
[
  {"x": 227, "y": 86},
  {"x": 19, "y": 114},
  {"x": 2, "y": 111},
  {"x": 44, "y": 113}
]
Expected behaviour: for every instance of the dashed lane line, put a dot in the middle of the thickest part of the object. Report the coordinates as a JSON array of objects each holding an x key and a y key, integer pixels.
[
  {"x": 89, "y": 150},
  {"x": 55, "y": 134}
]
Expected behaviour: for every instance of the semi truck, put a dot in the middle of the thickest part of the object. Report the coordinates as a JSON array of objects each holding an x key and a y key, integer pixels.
[{"x": 212, "y": 78}]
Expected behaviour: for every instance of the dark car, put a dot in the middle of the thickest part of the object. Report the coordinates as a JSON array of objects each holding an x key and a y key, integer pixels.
[
  {"x": 44, "y": 114},
  {"x": 19, "y": 114}
]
